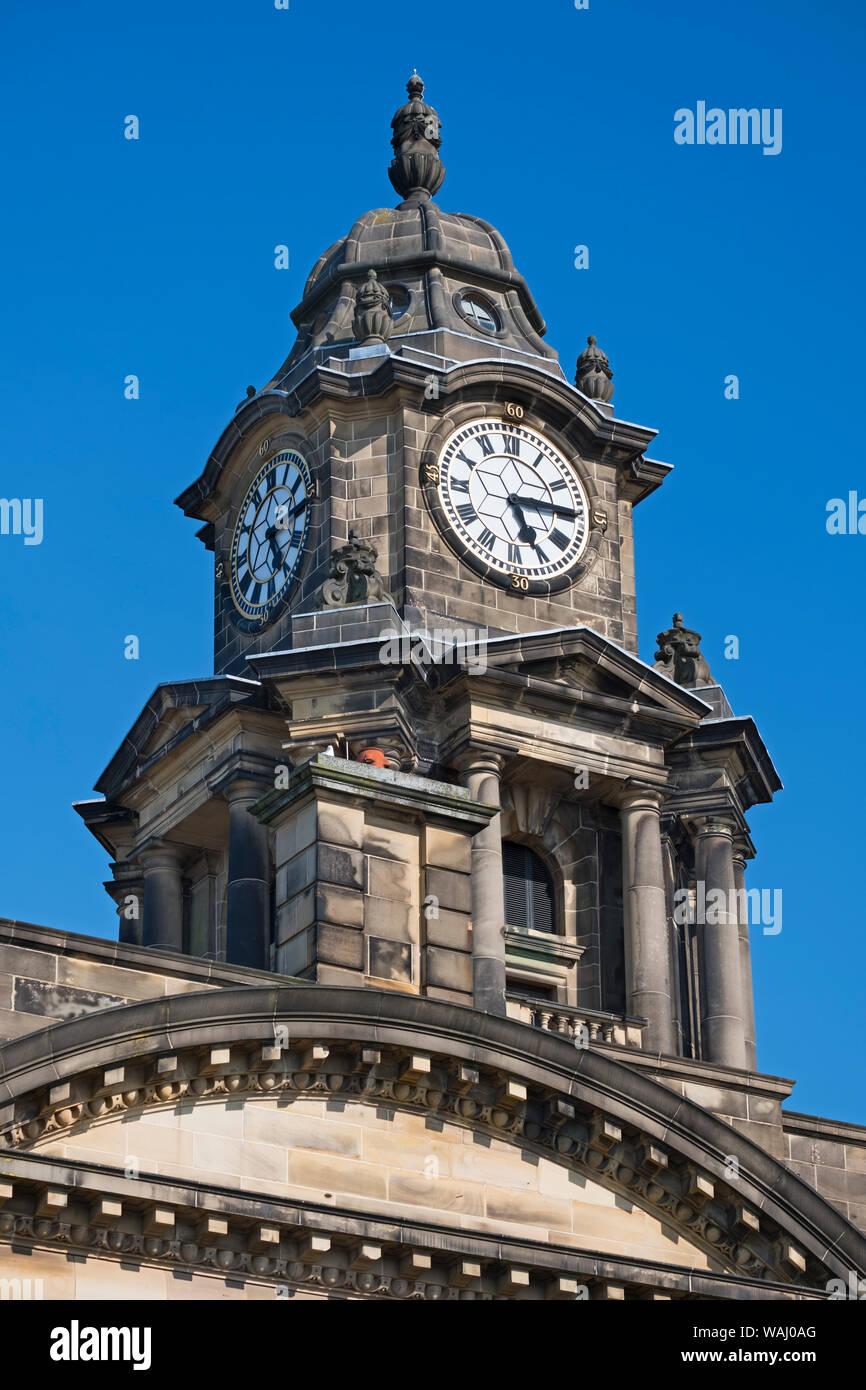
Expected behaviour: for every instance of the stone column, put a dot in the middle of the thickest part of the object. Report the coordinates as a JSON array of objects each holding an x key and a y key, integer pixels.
[
  {"x": 163, "y": 896},
  {"x": 127, "y": 890},
  {"x": 722, "y": 1031},
  {"x": 647, "y": 938},
  {"x": 745, "y": 955},
  {"x": 480, "y": 775},
  {"x": 248, "y": 891}
]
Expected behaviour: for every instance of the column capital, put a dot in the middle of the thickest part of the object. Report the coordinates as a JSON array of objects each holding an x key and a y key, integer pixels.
[
  {"x": 241, "y": 786},
  {"x": 715, "y": 824},
  {"x": 633, "y": 795},
  {"x": 247, "y": 767},
  {"x": 485, "y": 760},
  {"x": 160, "y": 854}
]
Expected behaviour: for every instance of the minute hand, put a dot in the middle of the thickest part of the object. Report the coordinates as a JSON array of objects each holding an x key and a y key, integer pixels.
[{"x": 530, "y": 502}]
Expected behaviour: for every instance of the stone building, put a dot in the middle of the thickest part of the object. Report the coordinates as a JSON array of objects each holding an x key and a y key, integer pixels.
[{"x": 433, "y": 973}]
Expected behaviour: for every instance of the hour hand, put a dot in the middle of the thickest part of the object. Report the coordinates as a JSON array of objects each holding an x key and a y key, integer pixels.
[
  {"x": 275, "y": 549},
  {"x": 526, "y": 533},
  {"x": 281, "y": 523}
]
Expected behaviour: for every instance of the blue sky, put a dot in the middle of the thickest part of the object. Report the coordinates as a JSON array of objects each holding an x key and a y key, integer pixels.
[{"x": 261, "y": 127}]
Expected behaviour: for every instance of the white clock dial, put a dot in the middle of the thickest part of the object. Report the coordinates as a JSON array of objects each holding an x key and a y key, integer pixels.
[
  {"x": 512, "y": 500},
  {"x": 269, "y": 535}
]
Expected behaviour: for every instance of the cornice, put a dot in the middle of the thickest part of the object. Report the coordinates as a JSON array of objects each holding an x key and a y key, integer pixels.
[
  {"x": 152, "y": 1220},
  {"x": 622, "y": 442}
]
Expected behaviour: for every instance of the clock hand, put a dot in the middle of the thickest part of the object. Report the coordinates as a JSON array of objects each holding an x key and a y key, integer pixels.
[
  {"x": 276, "y": 552},
  {"x": 525, "y": 533},
  {"x": 542, "y": 506},
  {"x": 289, "y": 516}
]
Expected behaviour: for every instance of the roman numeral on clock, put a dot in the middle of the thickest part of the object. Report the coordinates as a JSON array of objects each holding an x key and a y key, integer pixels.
[
  {"x": 559, "y": 539},
  {"x": 512, "y": 444},
  {"x": 466, "y": 513}
]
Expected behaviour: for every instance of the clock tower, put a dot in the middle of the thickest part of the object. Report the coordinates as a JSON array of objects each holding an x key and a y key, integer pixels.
[
  {"x": 434, "y": 977},
  {"x": 421, "y": 410},
  {"x": 430, "y": 759}
]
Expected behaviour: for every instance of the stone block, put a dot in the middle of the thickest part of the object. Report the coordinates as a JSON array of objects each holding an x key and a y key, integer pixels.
[
  {"x": 34, "y": 965},
  {"x": 389, "y": 878},
  {"x": 449, "y": 969},
  {"x": 295, "y": 955},
  {"x": 345, "y": 907},
  {"x": 825, "y": 1152},
  {"x": 343, "y": 946},
  {"x": 341, "y": 825},
  {"x": 390, "y": 842},
  {"x": 451, "y": 890},
  {"x": 295, "y": 915},
  {"x": 527, "y": 1208},
  {"x": 296, "y": 875},
  {"x": 324, "y": 1173},
  {"x": 437, "y": 1194},
  {"x": 449, "y": 929},
  {"x": 296, "y": 834},
  {"x": 60, "y": 1001},
  {"x": 101, "y": 977},
  {"x": 336, "y": 975},
  {"x": 391, "y": 920},
  {"x": 344, "y": 867},
  {"x": 265, "y": 1123},
  {"x": 445, "y": 849},
  {"x": 450, "y": 996},
  {"x": 389, "y": 960}
]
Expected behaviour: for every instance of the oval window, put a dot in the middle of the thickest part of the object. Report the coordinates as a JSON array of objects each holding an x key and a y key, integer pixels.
[
  {"x": 479, "y": 312},
  {"x": 399, "y": 300}
]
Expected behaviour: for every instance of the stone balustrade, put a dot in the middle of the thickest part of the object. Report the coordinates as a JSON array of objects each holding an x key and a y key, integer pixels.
[{"x": 562, "y": 1018}]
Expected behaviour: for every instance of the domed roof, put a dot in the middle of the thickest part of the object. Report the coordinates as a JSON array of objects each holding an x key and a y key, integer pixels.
[
  {"x": 385, "y": 236},
  {"x": 446, "y": 273}
]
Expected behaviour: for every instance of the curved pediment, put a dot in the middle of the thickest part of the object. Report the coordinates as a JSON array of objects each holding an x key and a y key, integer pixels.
[{"x": 384, "y": 1110}]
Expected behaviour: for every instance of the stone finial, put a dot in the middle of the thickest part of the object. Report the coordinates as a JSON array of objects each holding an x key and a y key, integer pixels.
[
  {"x": 416, "y": 170},
  {"x": 594, "y": 376},
  {"x": 372, "y": 322},
  {"x": 354, "y": 577},
  {"x": 679, "y": 656}
]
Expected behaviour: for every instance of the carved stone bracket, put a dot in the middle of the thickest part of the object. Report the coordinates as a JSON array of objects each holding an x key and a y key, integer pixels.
[
  {"x": 679, "y": 656},
  {"x": 354, "y": 578}
]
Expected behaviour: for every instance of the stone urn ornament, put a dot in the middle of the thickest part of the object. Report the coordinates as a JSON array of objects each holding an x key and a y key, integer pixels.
[
  {"x": 594, "y": 377},
  {"x": 416, "y": 171}
]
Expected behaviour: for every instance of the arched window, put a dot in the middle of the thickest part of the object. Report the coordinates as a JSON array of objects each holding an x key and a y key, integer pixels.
[{"x": 529, "y": 899}]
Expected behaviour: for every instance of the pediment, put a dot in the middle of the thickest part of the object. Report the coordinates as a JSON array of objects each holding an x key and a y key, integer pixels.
[
  {"x": 580, "y": 661},
  {"x": 173, "y": 711},
  {"x": 170, "y": 725},
  {"x": 418, "y": 1111}
]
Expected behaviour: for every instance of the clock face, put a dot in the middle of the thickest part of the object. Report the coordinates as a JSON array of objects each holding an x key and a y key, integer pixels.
[
  {"x": 269, "y": 535},
  {"x": 513, "y": 502}
]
